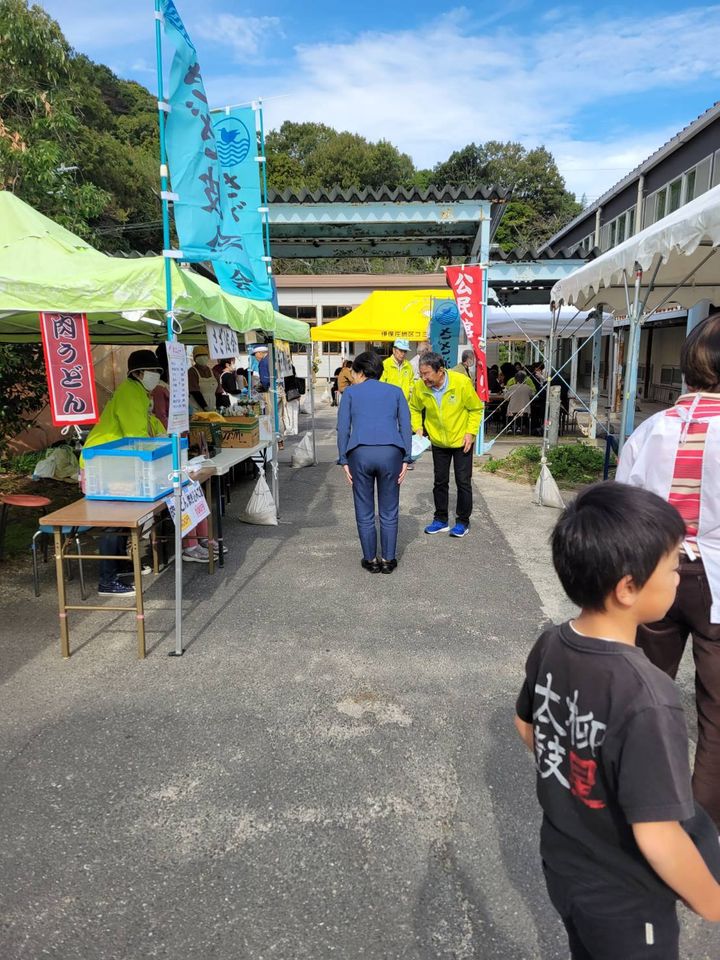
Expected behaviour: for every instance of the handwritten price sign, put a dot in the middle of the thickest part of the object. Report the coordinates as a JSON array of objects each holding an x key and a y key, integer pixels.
[{"x": 194, "y": 506}]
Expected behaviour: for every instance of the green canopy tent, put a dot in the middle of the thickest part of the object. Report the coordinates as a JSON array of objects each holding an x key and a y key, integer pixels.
[{"x": 44, "y": 267}]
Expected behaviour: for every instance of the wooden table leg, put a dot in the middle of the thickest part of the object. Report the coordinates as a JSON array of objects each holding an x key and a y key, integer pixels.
[
  {"x": 60, "y": 574},
  {"x": 154, "y": 546},
  {"x": 137, "y": 574}
]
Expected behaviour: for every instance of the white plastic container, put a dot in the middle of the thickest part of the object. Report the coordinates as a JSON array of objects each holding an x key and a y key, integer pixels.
[{"x": 134, "y": 468}]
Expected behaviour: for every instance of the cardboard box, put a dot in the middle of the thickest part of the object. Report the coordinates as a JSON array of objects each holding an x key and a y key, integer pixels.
[{"x": 240, "y": 432}]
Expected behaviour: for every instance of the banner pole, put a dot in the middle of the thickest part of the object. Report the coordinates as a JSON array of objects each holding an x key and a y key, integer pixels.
[
  {"x": 169, "y": 319},
  {"x": 276, "y": 425},
  {"x": 310, "y": 389},
  {"x": 265, "y": 203}
]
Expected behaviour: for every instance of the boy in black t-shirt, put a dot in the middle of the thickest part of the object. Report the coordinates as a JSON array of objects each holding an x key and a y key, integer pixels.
[{"x": 609, "y": 738}]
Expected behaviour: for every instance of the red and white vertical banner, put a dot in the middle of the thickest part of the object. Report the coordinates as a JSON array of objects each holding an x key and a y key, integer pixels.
[
  {"x": 68, "y": 363},
  {"x": 467, "y": 286}
]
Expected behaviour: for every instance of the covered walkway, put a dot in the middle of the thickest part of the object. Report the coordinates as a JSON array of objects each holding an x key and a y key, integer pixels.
[{"x": 329, "y": 771}]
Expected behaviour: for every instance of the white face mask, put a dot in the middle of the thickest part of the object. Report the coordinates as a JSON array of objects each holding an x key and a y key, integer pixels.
[{"x": 150, "y": 379}]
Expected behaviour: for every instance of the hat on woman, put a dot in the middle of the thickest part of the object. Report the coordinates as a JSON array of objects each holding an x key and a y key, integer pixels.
[{"x": 143, "y": 360}]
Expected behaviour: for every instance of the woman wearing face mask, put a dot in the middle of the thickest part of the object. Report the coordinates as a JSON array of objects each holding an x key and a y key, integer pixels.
[
  {"x": 202, "y": 383},
  {"x": 127, "y": 414}
]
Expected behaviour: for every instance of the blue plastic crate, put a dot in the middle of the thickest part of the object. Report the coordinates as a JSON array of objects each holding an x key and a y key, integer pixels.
[{"x": 134, "y": 468}]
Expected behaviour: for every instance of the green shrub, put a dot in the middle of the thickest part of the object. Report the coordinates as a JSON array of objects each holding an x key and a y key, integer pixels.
[{"x": 570, "y": 463}]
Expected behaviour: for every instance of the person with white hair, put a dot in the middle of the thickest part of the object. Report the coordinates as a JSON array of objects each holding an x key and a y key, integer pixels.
[{"x": 262, "y": 355}]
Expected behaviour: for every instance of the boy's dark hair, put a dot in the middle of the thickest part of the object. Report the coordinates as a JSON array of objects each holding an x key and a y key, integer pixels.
[
  {"x": 369, "y": 364},
  {"x": 700, "y": 356},
  {"x": 609, "y": 531},
  {"x": 432, "y": 360}
]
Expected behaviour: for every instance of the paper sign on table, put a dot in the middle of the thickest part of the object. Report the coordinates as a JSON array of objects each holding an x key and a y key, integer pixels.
[{"x": 194, "y": 506}]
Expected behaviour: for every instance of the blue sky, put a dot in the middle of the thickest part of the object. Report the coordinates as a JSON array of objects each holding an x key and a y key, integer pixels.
[{"x": 601, "y": 85}]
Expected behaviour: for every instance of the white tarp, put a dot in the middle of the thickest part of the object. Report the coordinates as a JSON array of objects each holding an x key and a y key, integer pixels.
[
  {"x": 680, "y": 241},
  {"x": 534, "y": 321}
]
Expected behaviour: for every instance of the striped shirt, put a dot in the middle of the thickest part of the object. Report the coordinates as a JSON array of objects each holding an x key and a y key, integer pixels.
[{"x": 687, "y": 472}]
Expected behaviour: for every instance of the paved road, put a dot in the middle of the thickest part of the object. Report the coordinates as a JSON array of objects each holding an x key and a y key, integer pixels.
[{"x": 330, "y": 770}]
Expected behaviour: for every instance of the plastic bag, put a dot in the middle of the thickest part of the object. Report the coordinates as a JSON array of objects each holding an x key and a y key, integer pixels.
[
  {"x": 260, "y": 507},
  {"x": 547, "y": 493},
  {"x": 303, "y": 452},
  {"x": 419, "y": 446},
  {"x": 59, "y": 463}
]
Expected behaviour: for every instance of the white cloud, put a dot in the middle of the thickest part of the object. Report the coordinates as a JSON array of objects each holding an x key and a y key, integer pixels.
[
  {"x": 246, "y": 35},
  {"x": 433, "y": 89}
]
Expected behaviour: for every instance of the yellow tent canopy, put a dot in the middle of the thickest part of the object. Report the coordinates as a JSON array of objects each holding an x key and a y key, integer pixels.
[{"x": 385, "y": 315}]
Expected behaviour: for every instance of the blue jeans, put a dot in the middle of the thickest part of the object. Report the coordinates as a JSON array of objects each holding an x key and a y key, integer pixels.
[
  {"x": 379, "y": 466},
  {"x": 114, "y": 544}
]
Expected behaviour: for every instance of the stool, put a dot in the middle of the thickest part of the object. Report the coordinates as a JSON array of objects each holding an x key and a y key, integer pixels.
[
  {"x": 24, "y": 501},
  {"x": 46, "y": 532}
]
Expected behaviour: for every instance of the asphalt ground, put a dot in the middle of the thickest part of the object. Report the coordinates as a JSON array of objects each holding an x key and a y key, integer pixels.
[{"x": 330, "y": 770}]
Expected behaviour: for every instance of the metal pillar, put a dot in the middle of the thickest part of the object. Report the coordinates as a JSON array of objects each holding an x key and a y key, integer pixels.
[
  {"x": 632, "y": 356},
  {"x": 697, "y": 314},
  {"x": 484, "y": 259},
  {"x": 595, "y": 372},
  {"x": 311, "y": 392},
  {"x": 168, "y": 255},
  {"x": 574, "y": 363},
  {"x": 276, "y": 426}
]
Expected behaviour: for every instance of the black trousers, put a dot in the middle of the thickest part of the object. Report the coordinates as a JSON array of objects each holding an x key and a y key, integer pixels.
[
  {"x": 463, "y": 464},
  {"x": 614, "y": 932}
]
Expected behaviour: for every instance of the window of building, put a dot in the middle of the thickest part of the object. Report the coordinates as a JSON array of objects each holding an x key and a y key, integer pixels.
[
  {"x": 617, "y": 230},
  {"x": 671, "y": 376},
  {"x": 691, "y": 184},
  {"x": 674, "y": 191}
]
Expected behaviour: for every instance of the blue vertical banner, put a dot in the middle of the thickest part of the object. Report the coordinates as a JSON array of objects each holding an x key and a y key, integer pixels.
[
  {"x": 445, "y": 330},
  {"x": 241, "y": 201},
  {"x": 195, "y": 172}
]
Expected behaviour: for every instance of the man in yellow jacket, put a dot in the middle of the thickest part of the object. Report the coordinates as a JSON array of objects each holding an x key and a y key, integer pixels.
[
  {"x": 397, "y": 369},
  {"x": 452, "y": 418}
]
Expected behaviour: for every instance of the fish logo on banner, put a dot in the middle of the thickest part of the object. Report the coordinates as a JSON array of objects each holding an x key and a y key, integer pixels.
[
  {"x": 240, "y": 202},
  {"x": 203, "y": 228}
]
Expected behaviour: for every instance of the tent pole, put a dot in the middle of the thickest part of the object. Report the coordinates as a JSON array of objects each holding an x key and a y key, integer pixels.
[
  {"x": 310, "y": 389},
  {"x": 555, "y": 309},
  {"x": 176, "y": 479},
  {"x": 484, "y": 259},
  {"x": 627, "y": 419},
  {"x": 595, "y": 372},
  {"x": 276, "y": 427}
]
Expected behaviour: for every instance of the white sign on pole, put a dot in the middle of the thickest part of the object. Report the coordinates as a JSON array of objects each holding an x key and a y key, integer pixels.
[
  {"x": 222, "y": 341},
  {"x": 178, "y": 420},
  {"x": 194, "y": 506}
]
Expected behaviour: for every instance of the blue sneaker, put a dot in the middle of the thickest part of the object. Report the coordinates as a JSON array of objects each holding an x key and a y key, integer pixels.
[
  {"x": 437, "y": 526},
  {"x": 460, "y": 530}
]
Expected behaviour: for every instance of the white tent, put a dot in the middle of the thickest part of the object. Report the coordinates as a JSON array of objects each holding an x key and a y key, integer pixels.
[
  {"x": 534, "y": 321},
  {"x": 672, "y": 261},
  {"x": 680, "y": 247}
]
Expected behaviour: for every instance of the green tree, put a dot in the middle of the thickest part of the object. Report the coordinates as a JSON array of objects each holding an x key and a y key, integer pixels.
[
  {"x": 37, "y": 121},
  {"x": 313, "y": 155},
  {"x": 22, "y": 393},
  {"x": 541, "y": 202}
]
